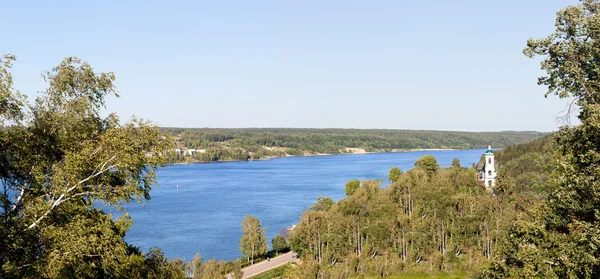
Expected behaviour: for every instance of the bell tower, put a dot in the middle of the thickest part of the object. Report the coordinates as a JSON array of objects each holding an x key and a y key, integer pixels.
[{"x": 489, "y": 175}]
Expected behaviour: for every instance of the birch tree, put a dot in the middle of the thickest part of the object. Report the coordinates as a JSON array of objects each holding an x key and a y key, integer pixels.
[
  {"x": 59, "y": 159},
  {"x": 253, "y": 242}
]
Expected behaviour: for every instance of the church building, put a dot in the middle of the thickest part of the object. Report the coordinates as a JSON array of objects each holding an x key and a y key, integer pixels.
[{"x": 486, "y": 171}]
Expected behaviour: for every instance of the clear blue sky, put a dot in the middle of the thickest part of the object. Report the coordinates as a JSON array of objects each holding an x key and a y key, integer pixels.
[{"x": 447, "y": 65}]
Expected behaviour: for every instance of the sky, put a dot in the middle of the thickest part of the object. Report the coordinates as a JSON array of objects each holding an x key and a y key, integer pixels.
[{"x": 433, "y": 65}]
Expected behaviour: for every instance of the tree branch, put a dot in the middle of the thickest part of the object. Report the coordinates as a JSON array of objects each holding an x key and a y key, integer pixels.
[
  {"x": 19, "y": 198},
  {"x": 587, "y": 92},
  {"x": 92, "y": 176},
  {"x": 566, "y": 117},
  {"x": 61, "y": 198}
]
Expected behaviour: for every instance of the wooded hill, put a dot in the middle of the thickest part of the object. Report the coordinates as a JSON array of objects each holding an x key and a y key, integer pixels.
[
  {"x": 426, "y": 220},
  {"x": 257, "y": 143}
]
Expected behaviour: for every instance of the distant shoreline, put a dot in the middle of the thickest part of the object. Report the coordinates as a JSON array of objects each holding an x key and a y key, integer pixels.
[{"x": 320, "y": 154}]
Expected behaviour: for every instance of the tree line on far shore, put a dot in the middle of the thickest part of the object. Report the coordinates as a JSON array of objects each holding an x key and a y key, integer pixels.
[{"x": 255, "y": 143}]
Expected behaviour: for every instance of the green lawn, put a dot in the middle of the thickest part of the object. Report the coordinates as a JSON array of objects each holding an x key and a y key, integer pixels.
[
  {"x": 415, "y": 275},
  {"x": 278, "y": 272}
]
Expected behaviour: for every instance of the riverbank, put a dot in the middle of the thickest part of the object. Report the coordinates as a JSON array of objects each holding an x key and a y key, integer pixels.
[{"x": 357, "y": 151}]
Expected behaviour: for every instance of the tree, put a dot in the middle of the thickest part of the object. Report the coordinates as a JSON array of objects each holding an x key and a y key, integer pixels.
[
  {"x": 428, "y": 163},
  {"x": 395, "y": 173},
  {"x": 351, "y": 187},
  {"x": 59, "y": 159},
  {"x": 194, "y": 268},
  {"x": 253, "y": 242},
  {"x": 562, "y": 241},
  {"x": 570, "y": 54},
  {"x": 212, "y": 269},
  {"x": 237, "y": 273},
  {"x": 308, "y": 269},
  {"x": 279, "y": 244},
  {"x": 455, "y": 163},
  {"x": 156, "y": 266},
  {"x": 11, "y": 101},
  {"x": 322, "y": 204}
]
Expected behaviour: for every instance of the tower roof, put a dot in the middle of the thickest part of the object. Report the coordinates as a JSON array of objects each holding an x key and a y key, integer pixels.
[{"x": 489, "y": 150}]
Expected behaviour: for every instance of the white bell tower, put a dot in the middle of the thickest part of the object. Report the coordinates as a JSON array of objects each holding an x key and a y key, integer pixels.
[{"x": 489, "y": 176}]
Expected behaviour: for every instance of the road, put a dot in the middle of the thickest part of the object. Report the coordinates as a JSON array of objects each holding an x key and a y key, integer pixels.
[{"x": 263, "y": 266}]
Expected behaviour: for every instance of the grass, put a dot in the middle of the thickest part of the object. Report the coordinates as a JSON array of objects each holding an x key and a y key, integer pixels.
[
  {"x": 273, "y": 273},
  {"x": 420, "y": 275},
  {"x": 278, "y": 272},
  {"x": 429, "y": 276}
]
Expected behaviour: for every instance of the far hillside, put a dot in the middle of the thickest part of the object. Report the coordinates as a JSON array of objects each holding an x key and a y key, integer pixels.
[{"x": 208, "y": 144}]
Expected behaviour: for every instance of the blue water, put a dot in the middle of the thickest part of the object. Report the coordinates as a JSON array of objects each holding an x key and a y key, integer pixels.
[{"x": 204, "y": 214}]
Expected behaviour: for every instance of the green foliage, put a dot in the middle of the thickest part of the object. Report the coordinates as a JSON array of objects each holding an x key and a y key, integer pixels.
[
  {"x": 280, "y": 244},
  {"x": 237, "y": 272},
  {"x": 440, "y": 275},
  {"x": 199, "y": 269},
  {"x": 528, "y": 167},
  {"x": 394, "y": 174},
  {"x": 424, "y": 222},
  {"x": 273, "y": 273},
  {"x": 308, "y": 269},
  {"x": 11, "y": 101},
  {"x": 429, "y": 164},
  {"x": 562, "y": 240},
  {"x": 456, "y": 163},
  {"x": 194, "y": 268},
  {"x": 322, "y": 204},
  {"x": 157, "y": 266},
  {"x": 570, "y": 54},
  {"x": 253, "y": 242},
  {"x": 213, "y": 269},
  {"x": 58, "y": 159},
  {"x": 351, "y": 187},
  {"x": 253, "y": 143},
  {"x": 406, "y": 224}
]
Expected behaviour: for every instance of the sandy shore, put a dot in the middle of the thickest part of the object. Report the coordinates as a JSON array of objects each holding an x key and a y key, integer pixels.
[
  {"x": 351, "y": 151},
  {"x": 428, "y": 149}
]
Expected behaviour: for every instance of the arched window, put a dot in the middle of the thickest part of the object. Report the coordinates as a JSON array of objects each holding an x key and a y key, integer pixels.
[
  {"x": 490, "y": 183},
  {"x": 489, "y": 172},
  {"x": 490, "y": 160}
]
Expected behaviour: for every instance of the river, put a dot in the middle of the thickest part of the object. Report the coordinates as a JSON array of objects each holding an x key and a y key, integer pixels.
[{"x": 204, "y": 213}]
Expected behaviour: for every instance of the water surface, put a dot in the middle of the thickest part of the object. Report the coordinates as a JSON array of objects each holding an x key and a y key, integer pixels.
[{"x": 204, "y": 214}]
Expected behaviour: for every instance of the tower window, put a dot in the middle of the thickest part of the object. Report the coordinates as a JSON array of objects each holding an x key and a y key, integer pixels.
[
  {"x": 490, "y": 183},
  {"x": 490, "y": 172},
  {"x": 490, "y": 160}
]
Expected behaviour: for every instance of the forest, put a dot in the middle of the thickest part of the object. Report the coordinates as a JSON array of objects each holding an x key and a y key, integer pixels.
[
  {"x": 254, "y": 143},
  {"x": 425, "y": 220}
]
